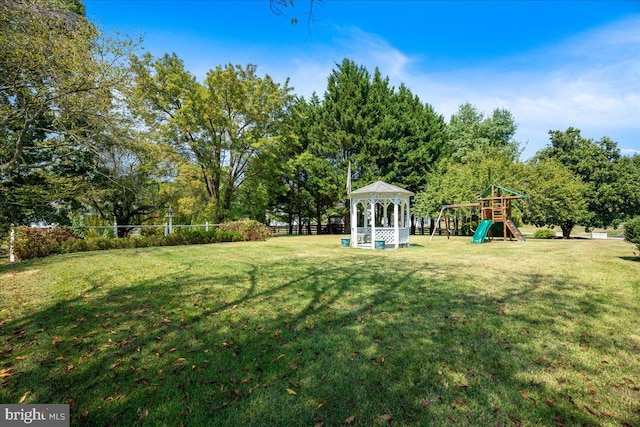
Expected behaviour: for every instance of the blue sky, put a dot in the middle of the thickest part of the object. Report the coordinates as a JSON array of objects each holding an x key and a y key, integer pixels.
[{"x": 553, "y": 64}]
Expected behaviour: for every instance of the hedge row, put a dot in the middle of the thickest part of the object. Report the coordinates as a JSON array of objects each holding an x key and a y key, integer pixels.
[{"x": 39, "y": 243}]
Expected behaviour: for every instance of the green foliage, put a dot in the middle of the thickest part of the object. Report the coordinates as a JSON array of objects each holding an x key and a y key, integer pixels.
[
  {"x": 386, "y": 133},
  {"x": 555, "y": 196},
  {"x": 544, "y": 233},
  {"x": 57, "y": 87},
  {"x": 31, "y": 242},
  {"x": 611, "y": 180},
  {"x": 248, "y": 230},
  {"x": 225, "y": 126},
  {"x": 470, "y": 134},
  {"x": 38, "y": 243},
  {"x": 454, "y": 182},
  {"x": 632, "y": 231}
]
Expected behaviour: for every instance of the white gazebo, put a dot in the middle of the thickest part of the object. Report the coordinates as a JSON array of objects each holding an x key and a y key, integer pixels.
[{"x": 380, "y": 212}]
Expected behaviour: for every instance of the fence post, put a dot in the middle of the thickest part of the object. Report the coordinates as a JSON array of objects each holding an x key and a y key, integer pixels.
[
  {"x": 166, "y": 229},
  {"x": 12, "y": 239},
  {"x": 206, "y": 226},
  {"x": 115, "y": 227}
]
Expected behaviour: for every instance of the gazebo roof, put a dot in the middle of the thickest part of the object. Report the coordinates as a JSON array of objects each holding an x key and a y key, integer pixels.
[{"x": 380, "y": 187}]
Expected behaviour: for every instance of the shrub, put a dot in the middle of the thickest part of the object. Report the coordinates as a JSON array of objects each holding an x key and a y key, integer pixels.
[
  {"x": 632, "y": 231},
  {"x": 40, "y": 242},
  {"x": 544, "y": 233},
  {"x": 248, "y": 229},
  {"x": 35, "y": 242}
]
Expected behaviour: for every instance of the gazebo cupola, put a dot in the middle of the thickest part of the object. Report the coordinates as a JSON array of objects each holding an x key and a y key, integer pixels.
[{"x": 380, "y": 212}]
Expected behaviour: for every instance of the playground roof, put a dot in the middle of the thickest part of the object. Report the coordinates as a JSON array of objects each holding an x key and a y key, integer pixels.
[
  {"x": 487, "y": 192},
  {"x": 380, "y": 187}
]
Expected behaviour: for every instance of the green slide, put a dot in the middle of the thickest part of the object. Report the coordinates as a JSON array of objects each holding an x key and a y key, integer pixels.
[{"x": 481, "y": 232}]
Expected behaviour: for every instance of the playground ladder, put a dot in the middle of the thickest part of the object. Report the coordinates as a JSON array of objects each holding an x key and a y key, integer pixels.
[{"x": 515, "y": 230}]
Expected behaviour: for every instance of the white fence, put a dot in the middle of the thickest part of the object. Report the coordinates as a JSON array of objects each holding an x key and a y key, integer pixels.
[{"x": 168, "y": 227}]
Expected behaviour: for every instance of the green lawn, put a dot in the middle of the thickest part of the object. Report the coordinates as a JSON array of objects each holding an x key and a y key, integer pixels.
[{"x": 299, "y": 331}]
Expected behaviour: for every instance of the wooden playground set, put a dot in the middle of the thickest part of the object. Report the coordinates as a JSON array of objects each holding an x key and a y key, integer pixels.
[{"x": 495, "y": 207}]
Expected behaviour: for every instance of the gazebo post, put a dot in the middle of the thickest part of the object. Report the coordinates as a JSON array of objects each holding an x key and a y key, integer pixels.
[
  {"x": 407, "y": 218},
  {"x": 354, "y": 223},
  {"x": 396, "y": 223},
  {"x": 373, "y": 221}
]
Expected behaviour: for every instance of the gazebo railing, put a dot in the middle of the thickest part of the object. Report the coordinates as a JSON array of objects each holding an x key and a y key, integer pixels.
[
  {"x": 404, "y": 235},
  {"x": 383, "y": 233}
]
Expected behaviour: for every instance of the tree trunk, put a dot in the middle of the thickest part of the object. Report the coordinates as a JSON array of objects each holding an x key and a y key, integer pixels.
[
  {"x": 566, "y": 229},
  {"x": 319, "y": 220}
]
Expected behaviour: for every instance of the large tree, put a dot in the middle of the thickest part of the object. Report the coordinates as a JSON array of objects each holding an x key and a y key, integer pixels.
[
  {"x": 555, "y": 196},
  {"x": 469, "y": 132},
  {"x": 57, "y": 90},
  {"x": 611, "y": 180},
  {"x": 385, "y": 133},
  {"x": 222, "y": 124}
]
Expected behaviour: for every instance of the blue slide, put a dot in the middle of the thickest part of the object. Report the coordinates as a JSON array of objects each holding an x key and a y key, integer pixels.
[{"x": 481, "y": 232}]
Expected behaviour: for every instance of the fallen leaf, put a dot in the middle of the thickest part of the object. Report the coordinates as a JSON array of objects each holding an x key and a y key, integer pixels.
[
  {"x": 524, "y": 394},
  {"x": 320, "y": 424},
  {"x": 591, "y": 411},
  {"x": 606, "y": 414},
  {"x": 425, "y": 402},
  {"x": 4, "y": 373},
  {"x": 516, "y": 421},
  {"x": 350, "y": 419},
  {"x": 320, "y": 405},
  {"x": 386, "y": 417},
  {"x": 458, "y": 401},
  {"x": 291, "y": 392},
  {"x": 20, "y": 358},
  {"x": 24, "y": 396},
  {"x": 549, "y": 402}
]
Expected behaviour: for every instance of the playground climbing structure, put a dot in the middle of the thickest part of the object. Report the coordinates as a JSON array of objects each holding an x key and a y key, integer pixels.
[{"x": 495, "y": 208}]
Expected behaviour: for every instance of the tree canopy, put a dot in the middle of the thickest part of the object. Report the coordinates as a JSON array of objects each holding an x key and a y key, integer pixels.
[
  {"x": 88, "y": 125},
  {"x": 58, "y": 88},
  {"x": 223, "y": 124}
]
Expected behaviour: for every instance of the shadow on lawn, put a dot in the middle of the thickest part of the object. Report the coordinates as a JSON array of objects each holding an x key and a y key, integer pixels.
[{"x": 362, "y": 339}]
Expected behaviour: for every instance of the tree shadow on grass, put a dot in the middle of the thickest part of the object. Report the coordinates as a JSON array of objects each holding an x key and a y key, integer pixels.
[{"x": 298, "y": 342}]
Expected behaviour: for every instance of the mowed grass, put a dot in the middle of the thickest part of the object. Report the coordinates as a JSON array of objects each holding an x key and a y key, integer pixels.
[{"x": 300, "y": 331}]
